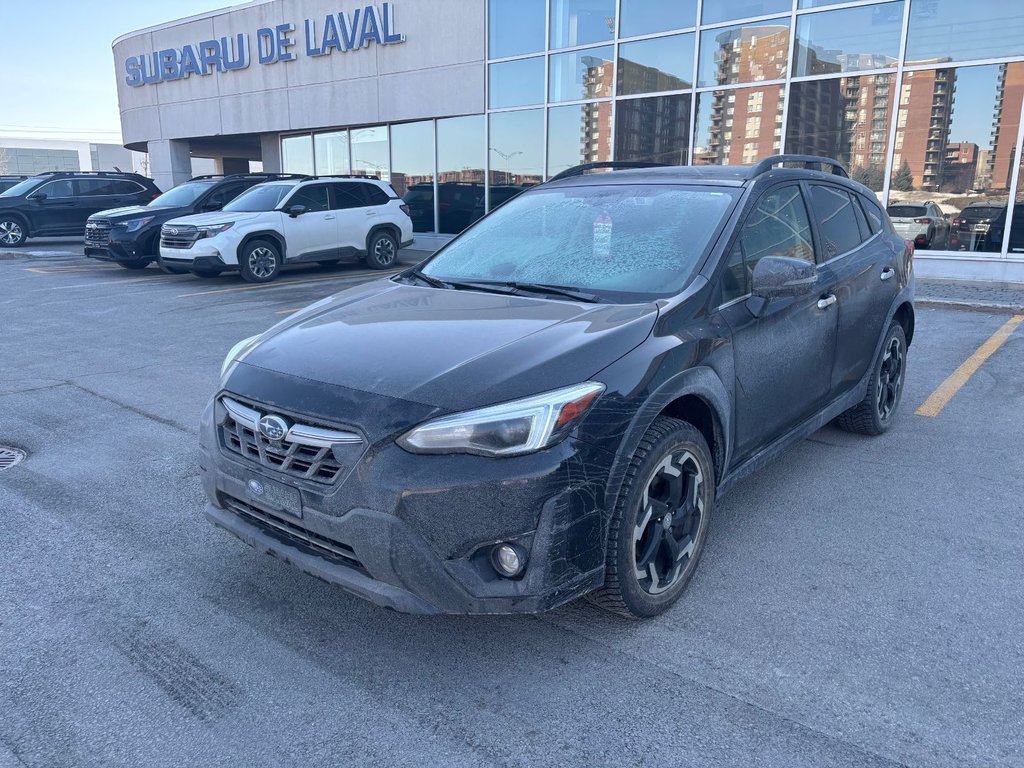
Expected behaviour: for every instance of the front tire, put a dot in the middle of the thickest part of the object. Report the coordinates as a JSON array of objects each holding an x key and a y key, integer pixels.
[
  {"x": 382, "y": 250},
  {"x": 260, "y": 262},
  {"x": 660, "y": 522},
  {"x": 875, "y": 413},
  {"x": 133, "y": 265},
  {"x": 13, "y": 232}
]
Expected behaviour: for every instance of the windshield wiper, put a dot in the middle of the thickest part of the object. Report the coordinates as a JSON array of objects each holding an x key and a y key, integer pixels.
[
  {"x": 555, "y": 290},
  {"x": 433, "y": 282}
]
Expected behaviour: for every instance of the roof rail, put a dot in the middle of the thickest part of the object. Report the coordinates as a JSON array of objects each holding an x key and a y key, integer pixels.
[
  {"x": 345, "y": 176},
  {"x": 119, "y": 174},
  {"x": 769, "y": 163},
  {"x": 249, "y": 175},
  {"x": 579, "y": 170}
]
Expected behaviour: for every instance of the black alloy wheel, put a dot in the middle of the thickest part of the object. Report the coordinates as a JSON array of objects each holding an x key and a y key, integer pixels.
[{"x": 875, "y": 413}]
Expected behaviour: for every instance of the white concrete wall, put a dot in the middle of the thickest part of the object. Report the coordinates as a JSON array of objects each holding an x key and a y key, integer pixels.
[{"x": 439, "y": 71}]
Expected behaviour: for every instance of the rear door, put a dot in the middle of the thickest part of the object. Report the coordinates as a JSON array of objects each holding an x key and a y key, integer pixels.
[
  {"x": 102, "y": 193},
  {"x": 862, "y": 262},
  {"x": 354, "y": 215},
  {"x": 784, "y": 356},
  {"x": 313, "y": 234}
]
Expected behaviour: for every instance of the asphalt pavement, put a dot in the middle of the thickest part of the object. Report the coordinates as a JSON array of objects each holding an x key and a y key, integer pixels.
[{"x": 859, "y": 602}]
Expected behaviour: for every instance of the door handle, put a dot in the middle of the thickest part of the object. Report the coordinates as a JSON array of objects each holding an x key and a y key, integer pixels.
[
  {"x": 887, "y": 273},
  {"x": 369, "y": 213},
  {"x": 827, "y": 301},
  {"x": 328, "y": 218}
]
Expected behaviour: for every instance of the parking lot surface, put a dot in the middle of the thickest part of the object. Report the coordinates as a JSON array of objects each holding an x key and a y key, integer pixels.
[{"x": 859, "y": 602}]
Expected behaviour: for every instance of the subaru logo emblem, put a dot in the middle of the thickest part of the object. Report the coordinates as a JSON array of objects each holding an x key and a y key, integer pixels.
[
  {"x": 172, "y": 230},
  {"x": 273, "y": 428},
  {"x": 255, "y": 487}
]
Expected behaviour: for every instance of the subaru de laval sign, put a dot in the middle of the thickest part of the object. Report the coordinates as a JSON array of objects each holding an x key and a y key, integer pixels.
[{"x": 341, "y": 32}]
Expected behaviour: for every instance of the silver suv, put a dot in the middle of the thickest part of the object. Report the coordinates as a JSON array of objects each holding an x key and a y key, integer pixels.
[{"x": 313, "y": 219}]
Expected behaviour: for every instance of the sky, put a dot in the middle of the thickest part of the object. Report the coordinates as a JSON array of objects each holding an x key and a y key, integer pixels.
[{"x": 59, "y": 67}]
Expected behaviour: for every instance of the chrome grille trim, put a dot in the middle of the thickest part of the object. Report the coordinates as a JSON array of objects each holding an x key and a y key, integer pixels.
[
  {"x": 178, "y": 236},
  {"x": 97, "y": 232}
]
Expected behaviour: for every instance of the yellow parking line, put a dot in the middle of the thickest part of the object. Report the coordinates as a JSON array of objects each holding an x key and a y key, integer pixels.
[
  {"x": 940, "y": 398},
  {"x": 311, "y": 280}
]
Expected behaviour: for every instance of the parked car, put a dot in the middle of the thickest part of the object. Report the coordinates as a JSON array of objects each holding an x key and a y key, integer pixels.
[
  {"x": 924, "y": 223},
  {"x": 976, "y": 227},
  {"x": 551, "y": 405},
  {"x": 131, "y": 236},
  {"x": 7, "y": 181},
  {"x": 289, "y": 221},
  {"x": 460, "y": 203},
  {"x": 59, "y": 203}
]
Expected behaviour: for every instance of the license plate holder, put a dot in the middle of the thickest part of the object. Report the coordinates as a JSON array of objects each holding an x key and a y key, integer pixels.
[{"x": 273, "y": 496}]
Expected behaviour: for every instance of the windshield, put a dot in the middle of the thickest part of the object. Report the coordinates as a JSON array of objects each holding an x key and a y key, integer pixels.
[
  {"x": 905, "y": 211},
  {"x": 21, "y": 188},
  {"x": 644, "y": 239},
  {"x": 262, "y": 197},
  {"x": 183, "y": 194}
]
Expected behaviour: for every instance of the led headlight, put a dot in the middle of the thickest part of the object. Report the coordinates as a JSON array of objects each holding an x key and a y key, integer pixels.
[
  {"x": 134, "y": 225},
  {"x": 236, "y": 354},
  {"x": 214, "y": 229},
  {"x": 509, "y": 429}
]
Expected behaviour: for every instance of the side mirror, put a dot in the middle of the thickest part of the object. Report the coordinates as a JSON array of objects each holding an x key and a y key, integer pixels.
[
  {"x": 296, "y": 210},
  {"x": 37, "y": 196},
  {"x": 212, "y": 205},
  {"x": 779, "y": 276}
]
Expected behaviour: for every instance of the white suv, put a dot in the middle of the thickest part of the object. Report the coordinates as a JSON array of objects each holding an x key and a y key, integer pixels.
[{"x": 282, "y": 222}]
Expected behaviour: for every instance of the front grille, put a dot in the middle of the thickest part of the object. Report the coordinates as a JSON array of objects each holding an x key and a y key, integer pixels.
[
  {"x": 97, "y": 233},
  {"x": 182, "y": 237},
  {"x": 304, "y": 451},
  {"x": 294, "y": 535}
]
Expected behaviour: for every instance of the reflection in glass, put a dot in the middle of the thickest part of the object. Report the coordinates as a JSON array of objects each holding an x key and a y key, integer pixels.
[
  {"x": 331, "y": 153},
  {"x": 515, "y": 28},
  {"x": 846, "y": 118},
  {"x": 658, "y": 64},
  {"x": 579, "y": 134},
  {"x": 951, "y": 30},
  {"x": 655, "y": 129},
  {"x": 516, "y": 83},
  {"x": 460, "y": 172},
  {"x": 848, "y": 40},
  {"x": 585, "y": 74},
  {"x": 955, "y": 135},
  {"x": 370, "y": 151},
  {"x": 645, "y": 17},
  {"x": 744, "y": 54},
  {"x": 578, "y": 22},
  {"x": 297, "y": 154},
  {"x": 412, "y": 175},
  {"x": 739, "y": 126},
  {"x": 727, "y": 10},
  {"x": 516, "y": 153}
]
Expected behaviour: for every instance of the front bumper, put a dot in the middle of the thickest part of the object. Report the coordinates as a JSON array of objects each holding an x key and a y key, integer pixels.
[
  {"x": 414, "y": 533},
  {"x": 125, "y": 251}
]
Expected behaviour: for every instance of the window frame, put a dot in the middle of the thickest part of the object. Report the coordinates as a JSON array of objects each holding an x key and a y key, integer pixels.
[{"x": 852, "y": 194}]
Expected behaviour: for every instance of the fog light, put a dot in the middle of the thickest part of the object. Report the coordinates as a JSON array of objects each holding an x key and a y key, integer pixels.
[{"x": 508, "y": 560}]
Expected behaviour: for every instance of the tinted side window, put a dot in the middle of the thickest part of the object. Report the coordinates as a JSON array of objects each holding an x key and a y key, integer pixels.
[
  {"x": 374, "y": 195},
  {"x": 227, "y": 193},
  {"x": 314, "y": 197},
  {"x": 60, "y": 188},
  {"x": 874, "y": 213},
  {"x": 777, "y": 226},
  {"x": 346, "y": 196},
  {"x": 125, "y": 187},
  {"x": 836, "y": 220}
]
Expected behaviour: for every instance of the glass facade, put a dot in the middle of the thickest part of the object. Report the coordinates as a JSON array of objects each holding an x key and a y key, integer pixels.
[{"x": 920, "y": 99}]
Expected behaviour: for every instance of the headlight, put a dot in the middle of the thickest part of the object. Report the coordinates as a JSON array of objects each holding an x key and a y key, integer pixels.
[
  {"x": 509, "y": 429},
  {"x": 236, "y": 353},
  {"x": 214, "y": 229},
  {"x": 134, "y": 225}
]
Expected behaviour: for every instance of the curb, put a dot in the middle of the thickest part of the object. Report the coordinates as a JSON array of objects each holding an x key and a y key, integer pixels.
[{"x": 971, "y": 306}]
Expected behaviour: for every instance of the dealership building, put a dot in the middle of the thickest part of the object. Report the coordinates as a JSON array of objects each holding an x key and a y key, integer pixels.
[{"x": 462, "y": 103}]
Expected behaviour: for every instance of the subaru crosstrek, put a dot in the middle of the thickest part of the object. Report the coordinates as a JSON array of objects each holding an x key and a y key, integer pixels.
[
  {"x": 551, "y": 405},
  {"x": 314, "y": 219}
]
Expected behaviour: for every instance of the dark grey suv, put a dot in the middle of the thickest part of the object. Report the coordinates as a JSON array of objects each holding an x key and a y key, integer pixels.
[{"x": 551, "y": 405}]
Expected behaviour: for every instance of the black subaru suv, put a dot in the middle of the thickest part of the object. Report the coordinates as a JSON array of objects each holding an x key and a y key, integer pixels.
[
  {"x": 57, "y": 204},
  {"x": 131, "y": 236},
  {"x": 551, "y": 405}
]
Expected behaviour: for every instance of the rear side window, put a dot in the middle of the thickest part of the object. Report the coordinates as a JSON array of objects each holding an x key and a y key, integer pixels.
[
  {"x": 874, "y": 214},
  {"x": 345, "y": 196},
  {"x": 778, "y": 226},
  {"x": 836, "y": 219},
  {"x": 374, "y": 195},
  {"x": 101, "y": 187}
]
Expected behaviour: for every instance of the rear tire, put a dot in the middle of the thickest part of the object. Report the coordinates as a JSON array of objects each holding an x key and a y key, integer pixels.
[
  {"x": 382, "y": 250},
  {"x": 13, "y": 232},
  {"x": 660, "y": 522},
  {"x": 875, "y": 413},
  {"x": 260, "y": 262}
]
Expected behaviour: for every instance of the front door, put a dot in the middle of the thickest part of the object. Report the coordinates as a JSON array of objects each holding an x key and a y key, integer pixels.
[
  {"x": 314, "y": 234},
  {"x": 784, "y": 356},
  {"x": 55, "y": 214}
]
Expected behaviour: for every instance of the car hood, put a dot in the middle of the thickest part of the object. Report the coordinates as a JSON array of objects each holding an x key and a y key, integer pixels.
[
  {"x": 449, "y": 348},
  {"x": 129, "y": 212},
  {"x": 216, "y": 217}
]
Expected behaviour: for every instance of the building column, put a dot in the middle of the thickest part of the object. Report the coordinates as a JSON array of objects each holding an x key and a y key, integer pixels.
[
  {"x": 170, "y": 162},
  {"x": 270, "y": 144},
  {"x": 229, "y": 165}
]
